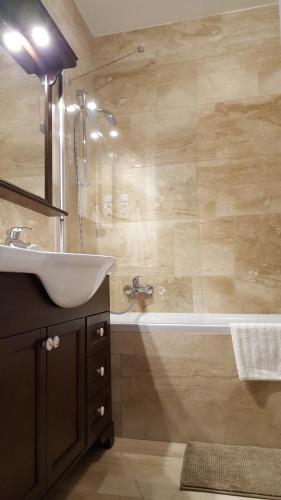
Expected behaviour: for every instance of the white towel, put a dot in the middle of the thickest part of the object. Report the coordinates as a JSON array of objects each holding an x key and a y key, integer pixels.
[{"x": 257, "y": 349}]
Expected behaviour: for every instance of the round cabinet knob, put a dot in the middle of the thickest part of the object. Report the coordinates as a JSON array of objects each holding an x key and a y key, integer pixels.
[
  {"x": 56, "y": 341},
  {"x": 101, "y": 411},
  {"x": 48, "y": 344},
  {"x": 100, "y": 332},
  {"x": 101, "y": 371}
]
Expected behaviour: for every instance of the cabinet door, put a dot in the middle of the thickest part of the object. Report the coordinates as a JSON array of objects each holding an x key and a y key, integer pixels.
[
  {"x": 65, "y": 397},
  {"x": 21, "y": 416}
]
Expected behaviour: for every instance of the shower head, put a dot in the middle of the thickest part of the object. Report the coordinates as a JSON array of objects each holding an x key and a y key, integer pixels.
[
  {"x": 108, "y": 115},
  {"x": 84, "y": 106}
]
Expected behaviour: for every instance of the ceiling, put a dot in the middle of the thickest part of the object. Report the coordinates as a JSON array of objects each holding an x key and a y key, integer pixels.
[{"x": 104, "y": 17}]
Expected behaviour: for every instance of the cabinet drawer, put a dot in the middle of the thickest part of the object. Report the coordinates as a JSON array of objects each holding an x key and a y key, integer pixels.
[
  {"x": 98, "y": 333},
  {"x": 98, "y": 372},
  {"x": 98, "y": 414}
]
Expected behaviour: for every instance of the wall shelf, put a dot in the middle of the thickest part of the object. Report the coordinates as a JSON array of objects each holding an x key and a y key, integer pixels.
[{"x": 14, "y": 194}]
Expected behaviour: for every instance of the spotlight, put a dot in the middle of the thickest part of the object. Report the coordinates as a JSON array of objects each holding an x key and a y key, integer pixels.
[
  {"x": 96, "y": 134},
  {"x": 72, "y": 108},
  {"x": 92, "y": 105},
  {"x": 40, "y": 36},
  {"x": 13, "y": 41}
]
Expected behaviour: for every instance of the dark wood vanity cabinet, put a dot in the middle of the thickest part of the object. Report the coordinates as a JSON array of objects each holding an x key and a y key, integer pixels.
[
  {"x": 65, "y": 393},
  {"x": 55, "y": 385},
  {"x": 98, "y": 375},
  {"x": 22, "y": 396}
]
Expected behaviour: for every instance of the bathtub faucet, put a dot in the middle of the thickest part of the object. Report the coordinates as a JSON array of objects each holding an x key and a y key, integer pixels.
[{"x": 136, "y": 288}]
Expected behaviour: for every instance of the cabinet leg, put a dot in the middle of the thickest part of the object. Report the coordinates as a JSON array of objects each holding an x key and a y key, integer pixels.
[{"x": 107, "y": 437}]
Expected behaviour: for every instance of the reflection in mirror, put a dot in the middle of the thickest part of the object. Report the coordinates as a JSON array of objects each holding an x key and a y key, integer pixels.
[
  {"x": 22, "y": 115},
  {"x": 57, "y": 136}
]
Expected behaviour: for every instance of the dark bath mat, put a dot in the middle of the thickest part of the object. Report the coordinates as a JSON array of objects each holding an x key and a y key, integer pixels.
[{"x": 232, "y": 470}]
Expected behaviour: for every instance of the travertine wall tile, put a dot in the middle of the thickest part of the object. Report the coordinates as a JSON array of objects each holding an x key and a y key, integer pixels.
[
  {"x": 243, "y": 187},
  {"x": 229, "y": 76},
  {"x": 139, "y": 245},
  {"x": 163, "y": 192},
  {"x": 249, "y": 295},
  {"x": 123, "y": 87},
  {"x": 269, "y": 72},
  {"x": 187, "y": 249},
  {"x": 175, "y": 83},
  {"x": 251, "y": 25},
  {"x": 45, "y": 229},
  {"x": 143, "y": 343},
  {"x": 170, "y": 292},
  {"x": 191, "y": 39},
  {"x": 166, "y": 136},
  {"x": 191, "y": 391},
  {"x": 115, "y": 378}
]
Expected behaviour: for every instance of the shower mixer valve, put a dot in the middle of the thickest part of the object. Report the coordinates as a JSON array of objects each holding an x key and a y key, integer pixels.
[{"x": 136, "y": 288}]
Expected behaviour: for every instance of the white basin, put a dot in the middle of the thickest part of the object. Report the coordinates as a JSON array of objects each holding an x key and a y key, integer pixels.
[{"x": 70, "y": 279}]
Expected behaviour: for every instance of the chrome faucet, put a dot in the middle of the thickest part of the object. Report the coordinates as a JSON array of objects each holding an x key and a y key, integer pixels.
[
  {"x": 137, "y": 288},
  {"x": 13, "y": 238}
]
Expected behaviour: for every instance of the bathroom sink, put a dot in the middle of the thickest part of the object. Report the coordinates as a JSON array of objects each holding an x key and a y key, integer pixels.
[{"x": 70, "y": 279}]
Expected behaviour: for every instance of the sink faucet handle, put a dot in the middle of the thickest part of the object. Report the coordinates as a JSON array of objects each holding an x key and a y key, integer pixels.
[
  {"x": 15, "y": 232},
  {"x": 136, "y": 281},
  {"x": 13, "y": 238}
]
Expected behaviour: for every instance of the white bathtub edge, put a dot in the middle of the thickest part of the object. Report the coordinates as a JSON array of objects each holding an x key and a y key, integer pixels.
[{"x": 185, "y": 323}]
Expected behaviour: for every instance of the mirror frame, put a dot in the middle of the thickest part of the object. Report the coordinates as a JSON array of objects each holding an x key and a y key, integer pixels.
[{"x": 21, "y": 15}]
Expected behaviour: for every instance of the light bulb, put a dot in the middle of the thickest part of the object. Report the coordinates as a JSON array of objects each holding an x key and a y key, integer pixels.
[
  {"x": 13, "y": 41},
  {"x": 114, "y": 133},
  {"x": 92, "y": 105},
  {"x": 72, "y": 108},
  {"x": 40, "y": 36},
  {"x": 96, "y": 134}
]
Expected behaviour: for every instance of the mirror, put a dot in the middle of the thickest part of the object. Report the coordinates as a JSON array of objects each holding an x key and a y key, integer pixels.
[
  {"x": 22, "y": 127},
  {"x": 33, "y": 54}
]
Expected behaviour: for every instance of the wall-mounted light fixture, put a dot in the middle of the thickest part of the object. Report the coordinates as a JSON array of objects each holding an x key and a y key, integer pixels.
[{"x": 33, "y": 39}]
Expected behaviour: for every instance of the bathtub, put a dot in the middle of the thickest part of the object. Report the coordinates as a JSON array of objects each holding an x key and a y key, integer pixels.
[{"x": 218, "y": 324}]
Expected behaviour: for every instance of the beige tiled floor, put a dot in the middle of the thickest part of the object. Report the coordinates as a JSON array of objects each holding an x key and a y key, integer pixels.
[{"x": 131, "y": 470}]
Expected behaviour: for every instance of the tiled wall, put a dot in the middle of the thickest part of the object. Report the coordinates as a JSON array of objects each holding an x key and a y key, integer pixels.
[
  {"x": 176, "y": 387},
  {"x": 195, "y": 175}
]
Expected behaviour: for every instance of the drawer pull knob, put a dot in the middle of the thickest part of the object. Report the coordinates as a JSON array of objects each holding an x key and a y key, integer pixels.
[
  {"x": 56, "y": 341},
  {"x": 101, "y": 371},
  {"x": 101, "y": 411},
  {"x": 100, "y": 332},
  {"x": 48, "y": 344}
]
